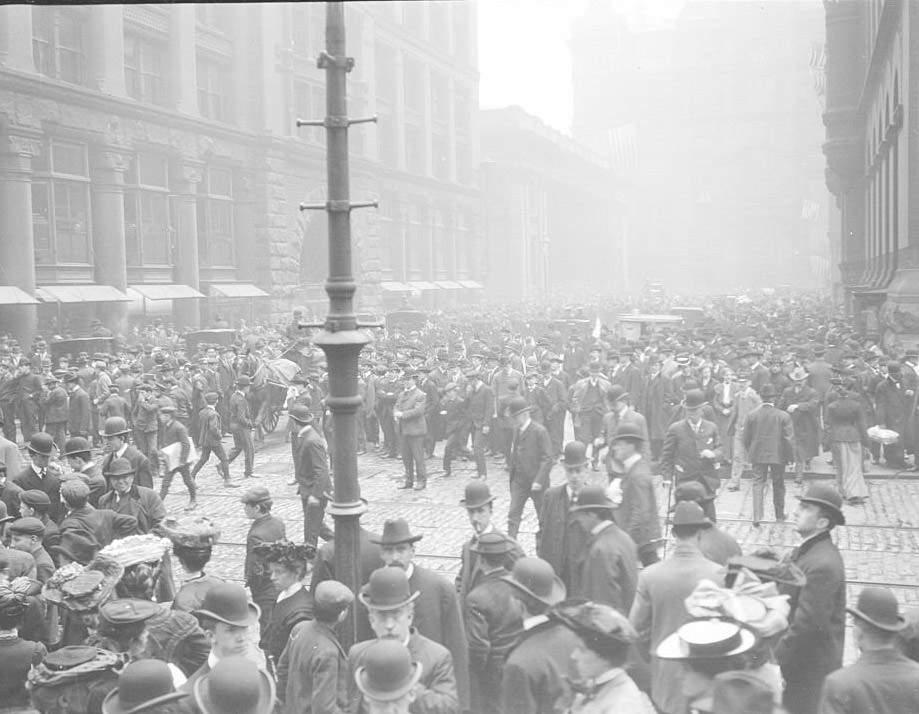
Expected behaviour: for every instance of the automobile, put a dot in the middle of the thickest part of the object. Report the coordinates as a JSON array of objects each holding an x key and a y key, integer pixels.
[
  {"x": 692, "y": 316},
  {"x": 73, "y": 347},
  {"x": 632, "y": 328}
]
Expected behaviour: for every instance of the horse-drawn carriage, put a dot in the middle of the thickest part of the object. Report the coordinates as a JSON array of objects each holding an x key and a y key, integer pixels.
[{"x": 72, "y": 348}]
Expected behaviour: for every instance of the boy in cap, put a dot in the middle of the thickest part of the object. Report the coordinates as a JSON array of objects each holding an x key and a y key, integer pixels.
[
  {"x": 35, "y": 503},
  {"x": 174, "y": 432},
  {"x": 266, "y": 528},
  {"x": 26, "y": 535},
  {"x": 104, "y": 525},
  {"x": 313, "y": 669},
  {"x": 78, "y": 454}
]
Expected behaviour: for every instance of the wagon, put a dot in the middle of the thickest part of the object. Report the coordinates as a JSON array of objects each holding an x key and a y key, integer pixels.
[
  {"x": 270, "y": 385},
  {"x": 72, "y": 348},
  {"x": 210, "y": 337}
]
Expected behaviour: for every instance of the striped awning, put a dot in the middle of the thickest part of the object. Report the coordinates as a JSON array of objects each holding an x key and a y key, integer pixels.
[{"x": 11, "y": 295}]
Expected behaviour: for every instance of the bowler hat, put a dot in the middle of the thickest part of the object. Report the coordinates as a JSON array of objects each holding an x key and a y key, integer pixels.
[
  {"x": 767, "y": 391},
  {"x": 574, "y": 455},
  {"x": 41, "y": 443},
  {"x": 591, "y": 498},
  {"x": 235, "y": 685},
  {"x": 142, "y": 685},
  {"x": 387, "y": 589},
  {"x": 228, "y": 602},
  {"x": 826, "y": 496},
  {"x": 477, "y": 494},
  {"x": 76, "y": 547},
  {"x": 396, "y": 531},
  {"x": 690, "y": 513},
  {"x": 616, "y": 393},
  {"x": 691, "y": 491},
  {"x": 493, "y": 543},
  {"x": 301, "y": 413},
  {"x": 738, "y": 691},
  {"x": 517, "y": 405},
  {"x": 629, "y": 431},
  {"x": 388, "y": 672},
  {"x": 536, "y": 578},
  {"x": 694, "y": 399},
  {"x": 119, "y": 468},
  {"x": 878, "y": 607},
  {"x": 115, "y": 426},
  {"x": 707, "y": 638}
]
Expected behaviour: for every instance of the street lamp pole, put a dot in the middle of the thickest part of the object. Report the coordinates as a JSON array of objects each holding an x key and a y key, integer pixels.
[{"x": 340, "y": 338}]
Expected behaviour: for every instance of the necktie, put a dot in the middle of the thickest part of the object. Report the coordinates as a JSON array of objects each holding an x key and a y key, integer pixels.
[{"x": 41, "y": 474}]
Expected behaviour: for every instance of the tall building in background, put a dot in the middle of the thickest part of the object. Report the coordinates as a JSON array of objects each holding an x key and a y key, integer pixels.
[
  {"x": 872, "y": 125},
  {"x": 714, "y": 117},
  {"x": 151, "y": 164}
]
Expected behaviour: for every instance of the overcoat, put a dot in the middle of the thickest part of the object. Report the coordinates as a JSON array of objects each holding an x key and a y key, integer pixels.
[
  {"x": 805, "y": 419},
  {"x": 607, "y": 571},
  {"x": 637, "y": 514},
  {"x": 313, "y": 671},
  {"x": 769, "y": 436},
  {"x": 880, "y": 682}
]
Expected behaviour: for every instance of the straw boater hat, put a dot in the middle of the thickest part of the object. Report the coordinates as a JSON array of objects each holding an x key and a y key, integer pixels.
[
  {"x": 191, "y": 531},
  {"x": 707, "y": 638},
  {"x": 82, "y": 589}
]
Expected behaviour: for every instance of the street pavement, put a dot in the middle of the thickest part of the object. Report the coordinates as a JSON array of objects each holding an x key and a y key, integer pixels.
[{"x": 880, "y": 544}]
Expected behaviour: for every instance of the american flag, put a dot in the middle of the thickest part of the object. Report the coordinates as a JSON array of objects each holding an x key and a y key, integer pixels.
[{"x": 623, "y": 147}]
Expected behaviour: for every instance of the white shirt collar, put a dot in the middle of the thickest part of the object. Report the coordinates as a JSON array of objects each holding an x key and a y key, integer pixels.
[
  {"x": 631, "y": 461},
  {"x": 600, "y": 527},
  {"x": 534, "y": 621},
  {"x": 37, "y": 469},
  {"x": 87, "y": 466},
  {"x": 120, "y": 452},
  {"x": 409, "y": 571},
  {"x": 290, "y": 592}
]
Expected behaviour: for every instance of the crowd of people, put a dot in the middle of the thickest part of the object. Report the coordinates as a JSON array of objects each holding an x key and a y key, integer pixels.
[{"x": 106, "y": 604}]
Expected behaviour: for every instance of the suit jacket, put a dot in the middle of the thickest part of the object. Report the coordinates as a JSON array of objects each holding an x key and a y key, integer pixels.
[
  {"x": 657, "y": 405},
  {"x": 103, "y": 525},
  {"x": 480, "y": 407},
  {"x": 494, "y": 621},
  {"x": 11, "y": 495},
  {"x": 745, "y": 403},
  {"x": 607, "y": 571},
  {"x": 311, "y": 464},
  {"x": 680, "y": 456},
  {"x": 264, "y": 529},
  {"x": 313, "y": 671},
  {"x": 556, "y": 397},
  {"x": 611, "y": 422},
  {"x": 470, "y": 572},
  {"x": 805, "y": 419},
  {"x": 768, "y": 436},
  {"x": 532, "y": 455},
  {"x": 56, "y": 406},
  {"x": 176, "y": 432},
  {"x": 27, "y": 480},
  {"x": 812, "y": 646},
  {"x": 79, "y": 412},
  {"x": 437, "y": 693},
  {"x": 551, "y": 540},
  {"x": 210, "y": 428},
  {"x": 659, "y": 610},
  {"x": 637, "y": 514},
  {"x": 9, "y": 456},
  {"x": 438, "y": 617},
  {"x": 846, "y": 422},
  {"x": 535, "y": 677},
  {"x": 879, "y": 682},
  {"x": 412, "y": 404},
  {"x": 144, "y": 504},
  {"x": 142, "y": 473},
  {"x": 240, "y": 417}
]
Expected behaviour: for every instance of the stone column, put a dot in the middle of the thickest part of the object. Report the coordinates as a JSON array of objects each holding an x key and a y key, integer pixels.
[
  {"x": 16, "y": 37},
  {"x": 187, "y": 313},
  {"x": 183, "y": 72},
  {"x": 108, "y": 231},
  {"x": 106, "y": 49},
  {"x": 17, "y": 252}
]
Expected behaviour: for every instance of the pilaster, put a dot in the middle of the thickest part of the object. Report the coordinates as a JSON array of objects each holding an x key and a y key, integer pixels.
[
  {"x": 109, "y": 258},
  {"x": 185, "y": 187},
  {"x": 183, "y": 72},
  {"x": 106, "y": 49},
  {"x": 16, "y": 37}
]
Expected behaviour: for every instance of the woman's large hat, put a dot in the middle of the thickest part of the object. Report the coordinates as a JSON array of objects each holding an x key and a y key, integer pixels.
[
  {"x": 83, "y": 589},
  {"x": 707, "y": 638},
  {"x": 387, "y": 589},
  {"x": 387, "y": 671},
  {"x": 190, "y": 531},
  {"x": 235, "y": 685},
  {"x": 142, "y": 685}
]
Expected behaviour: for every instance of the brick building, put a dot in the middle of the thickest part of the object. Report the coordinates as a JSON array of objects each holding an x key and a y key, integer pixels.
[{"x": 150, "y": 161}]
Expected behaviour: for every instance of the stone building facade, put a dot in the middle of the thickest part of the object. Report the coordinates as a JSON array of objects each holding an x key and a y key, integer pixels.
[{"x": 150, "y": 162}]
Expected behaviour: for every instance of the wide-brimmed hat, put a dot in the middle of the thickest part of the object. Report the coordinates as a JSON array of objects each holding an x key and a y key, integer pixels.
[
  {"x": 76, "y": 445},
  {"x": 388, "y": 672},
  {"x": 396, "y": 531},
  {"x": 826, "y": 496},
  {"x": 41, "y": 443},
  {"x": 191, "y": 531},
  {"x": 517, "y": 405},
  {"x": 879, "y": 608},
  {"x": 142, "y": 685},
  {"x": 574, "y": 455},
  {"x": 476, "y": 495},
  {"x": 591, "y": 498},
  {"x": 300, "y": 413},
  {"x": 694, "y": 399},
  {"x": 235, "y": 685},
  {"x": 387, "y": 589},
  {"x": 599, "y": 625},
  {"x": 535, "y": 578},
  {"x": 115, "y": 426},
  {"x": 798, "y": 374},
  {"x": 690, "y": 513},
  {"x": 707, "y": 638},
  {"x": 82, "y": 589},
  {"x": 783, "y": 572},
  {"x": 629, "y": 432},
  {"x": 285, "y": 552},
  {"x": 768, "y": 391},
  {"x": 736, "y": 692},
  {"x": 228, "y": 603},
  {"x": 119, "y": 468},
  {"x": 493, "y": 543}
]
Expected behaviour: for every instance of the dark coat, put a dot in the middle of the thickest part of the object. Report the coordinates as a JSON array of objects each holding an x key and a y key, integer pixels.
[
  {"x": 805, "y": 420},
  {"x": 718, "y": 546},
  {"x": 436, "y": 693},
  {"x": 313, "y": 671},
  {"x": 11, "y": 495},
  {"x": 893, "y": 406},
  {"x": 144, "y": 504},
  {"x": 176, "y": 432},
  {"x": 879, "y": 682},
  {"x": 438, "y": 616},
  {"x": 143, "y": 476},
  {"x": 494, "y": 620},
  {"x": 768, "y": 436},
  {"x": 551, "y": 539},
  {"x": 846, "y": 422},
  {"x": 480, "y": 407},
  {"x": 657, "y": 405},
  {"x": 607, "y": 570},
  {"x": 27, "y": 480},
  {"x": 536, "y": 671},
  {"x": 812, "y": 646},
  {"x": 470, "y": 572},
  {"x": 56, "y": 406},
  {"x": 285, "y": 614},
  {"x": 264, "y": 529},
  {"x": 637, "y": 514},
  {"x": 210, "y": 428},
  {"x": 680, "y": 456},
  {"x": 311, "y": 464},
  {"x": 413, "y": 405},
  {"x": 532, "y": 455}
]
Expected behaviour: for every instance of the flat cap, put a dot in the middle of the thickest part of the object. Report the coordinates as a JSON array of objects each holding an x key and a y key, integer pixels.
[
  {"x": 256, "y": 494},
  {"x": 331, "y": 594},
  {"x": 34, "y": 497},
  {"x": 27, "y": 526},
  {"x": 127, "y": 611}
]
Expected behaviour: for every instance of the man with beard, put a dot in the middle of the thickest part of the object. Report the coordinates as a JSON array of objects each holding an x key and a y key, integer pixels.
[
  {"x": 437, "y": 613},
  {"x": 479, "y": 505}
]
